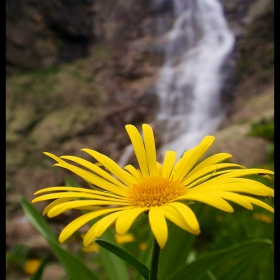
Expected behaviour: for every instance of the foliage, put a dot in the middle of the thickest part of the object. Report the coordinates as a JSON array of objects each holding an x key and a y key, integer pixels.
[
  {"x": 238, "y": 246},
  {"x": 254, "y": 257},
  {"x": 264, "y": 128}
]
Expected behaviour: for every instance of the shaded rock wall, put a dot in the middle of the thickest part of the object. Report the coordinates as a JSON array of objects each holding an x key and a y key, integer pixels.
[{"x": 43, "y": 33}]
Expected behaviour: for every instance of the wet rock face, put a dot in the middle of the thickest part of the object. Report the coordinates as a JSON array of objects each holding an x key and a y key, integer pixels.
[{"x": 42, "y": 33}]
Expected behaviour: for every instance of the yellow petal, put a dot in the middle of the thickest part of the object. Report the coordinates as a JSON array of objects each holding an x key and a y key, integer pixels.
[
  {"x": 179, "y": 167},
  {"x": 99, "y": 227},
  {"x": 62, "y": 207},
  {"x": 89, "y": 176},
  {"x": 172, "y": 214},
  {"x": 126, "y": 218},
  {"x": 214, "y": 159},
  {"x": 125, "y": 238},
  {"x": 168, "y": 163},
  {"x": 241, "y": 173},
  {"x": 207, "y": 178},
  {"x": 261, "y": 204},
  {"x": 187, "y": 214},
  {"x": 82, "y": 220},
  {"x": 95, "y": 180},
  {"x": 159, "y": 169},
  {"x": 237, "y": 198},
  {"x": 191, "y": 157},
  {"x": 150, "y": 147},
  {"x": 54, "y": 203},
  {"x": 79, "y": 189},
  {"x": 158, "y": 225},
  {"x": 93, "y": 247},
  {"x": 134, "y": 172},
  {"x": 212, "y": 169},
  {"x": 90, "y": 208},
  {"x": 242, "y": 185},
  {"x": 139, "y": 148},
  {"x": 94, "y": 168},
  {"x": 113, "y": 167},
  {"x": 78, "y": 195},
  {"x": 208, "y": 198}
]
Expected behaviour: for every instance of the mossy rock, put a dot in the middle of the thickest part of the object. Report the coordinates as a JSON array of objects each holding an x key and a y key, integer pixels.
[{"x": 61, "y": 125}]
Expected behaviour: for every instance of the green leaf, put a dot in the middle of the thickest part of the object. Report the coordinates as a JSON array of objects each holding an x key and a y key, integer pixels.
[
  {"x": 38, "y": 221},
  {"x": 128, "y": 258},
  {"x": 115, "y": 268},
  {"x": 74, "y": 267},
  {"x": 240, "y": 262},
  {"x": 39, "y": 272}
]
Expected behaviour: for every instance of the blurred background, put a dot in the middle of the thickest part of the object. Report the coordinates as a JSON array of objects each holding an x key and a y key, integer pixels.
[{"x": 78, "y": 71}]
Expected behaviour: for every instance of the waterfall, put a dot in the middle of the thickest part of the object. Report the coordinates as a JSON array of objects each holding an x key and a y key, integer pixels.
[
  {"x": 189, "y": 84},
  {"x": 190, "y": 81}
]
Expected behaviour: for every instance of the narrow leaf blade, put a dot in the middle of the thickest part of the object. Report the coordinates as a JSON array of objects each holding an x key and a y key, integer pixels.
[
  {"x": 116, "y": 269},
  {"x": 72, "y": 265},
  {"x": 38, "y": 221},
  {"x": 125, "y": 256}
]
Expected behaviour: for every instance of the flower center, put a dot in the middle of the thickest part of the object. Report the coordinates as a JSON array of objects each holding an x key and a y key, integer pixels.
[{"x": 154, "y": 191}]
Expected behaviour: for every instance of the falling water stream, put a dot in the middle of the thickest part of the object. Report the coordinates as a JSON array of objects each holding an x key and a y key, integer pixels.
[{"x": 190, "y": 81}]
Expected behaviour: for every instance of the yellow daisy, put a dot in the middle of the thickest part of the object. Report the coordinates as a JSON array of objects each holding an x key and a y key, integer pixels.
[
  {"x": 124, "y": 238},
  {"x": 31, "y": 266},
  {"x": 120, "y": 239},
  {"x": 163, "y": 191}
]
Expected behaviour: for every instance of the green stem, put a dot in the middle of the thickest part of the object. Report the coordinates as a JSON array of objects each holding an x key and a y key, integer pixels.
[{"x": 154, "y": 262}]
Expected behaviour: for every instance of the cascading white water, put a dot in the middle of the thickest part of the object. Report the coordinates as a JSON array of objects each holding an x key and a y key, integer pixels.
[{"x": 190, "y": 81}]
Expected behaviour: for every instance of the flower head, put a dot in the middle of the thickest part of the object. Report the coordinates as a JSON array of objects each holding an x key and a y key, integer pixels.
[
  {"x": 31, "y": 266},
  {"x": 124, "y": 238},
  {"x": 120, "y": 239},
  {"x": 163, "y": 191}
]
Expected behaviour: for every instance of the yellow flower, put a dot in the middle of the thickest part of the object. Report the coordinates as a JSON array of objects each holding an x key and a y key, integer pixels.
[
  {"x": 31, "y": 266},
  {"x": 263, "y": 218},
  {"x": 143, "y": 246},
  {"x": 160, "y": 190},
  {"x": 120, "y": 239},
  {"x": 124, "y": 238},
  {"x": 92, "y": 247}
]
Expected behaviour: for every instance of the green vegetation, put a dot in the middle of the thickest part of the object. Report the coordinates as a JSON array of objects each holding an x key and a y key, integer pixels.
[{"x": 265, "y": 129}]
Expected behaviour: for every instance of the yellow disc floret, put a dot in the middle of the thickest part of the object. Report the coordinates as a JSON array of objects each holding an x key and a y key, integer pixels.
[{"x": 154, "y": 191}]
